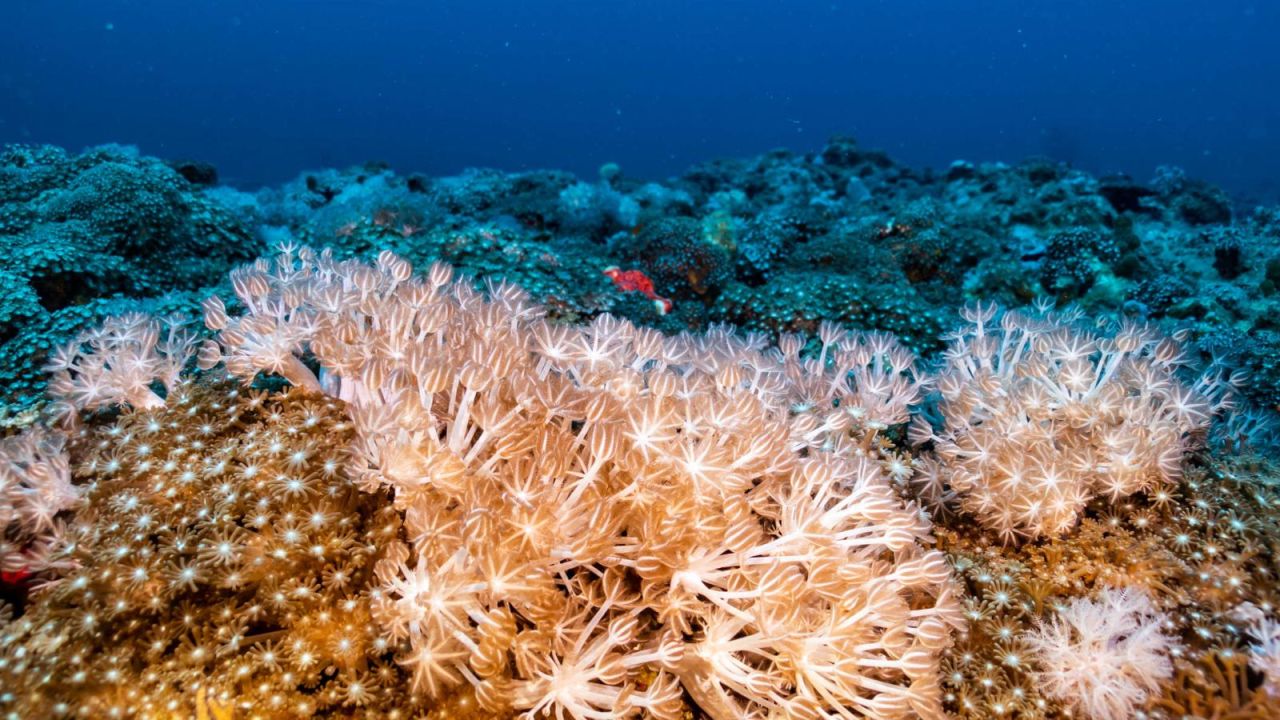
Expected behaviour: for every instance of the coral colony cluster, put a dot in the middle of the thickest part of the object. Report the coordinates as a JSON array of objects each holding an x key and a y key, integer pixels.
[
  {"x": 1040, "y": 417},
  {"x": 339, "y": 486}
]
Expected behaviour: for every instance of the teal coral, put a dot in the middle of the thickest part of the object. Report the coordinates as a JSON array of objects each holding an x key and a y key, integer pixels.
[
  {"x": 83, "y": 234},
  {"x": 800, "y": 303},
  {"x": 24, "y": 355}
]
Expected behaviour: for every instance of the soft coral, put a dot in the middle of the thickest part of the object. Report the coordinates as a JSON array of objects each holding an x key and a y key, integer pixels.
[
  {"x": 1040, "y": 415},
  {"x": 121, "y": 362},
  {"x": 1105, "y": 656}
]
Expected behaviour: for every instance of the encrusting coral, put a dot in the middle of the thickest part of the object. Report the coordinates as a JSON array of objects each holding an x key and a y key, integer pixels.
[{"x": 220, "y": 551}]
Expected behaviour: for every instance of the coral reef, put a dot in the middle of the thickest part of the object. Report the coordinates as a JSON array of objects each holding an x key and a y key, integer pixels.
[
  {"x": 753, "y": 441},
  {"x": 79, "y": 231},
  {"x": 777, "y": 243}
]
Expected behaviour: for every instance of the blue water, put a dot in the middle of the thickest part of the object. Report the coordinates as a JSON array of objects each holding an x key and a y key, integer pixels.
[{"x": 264, "y": 89}]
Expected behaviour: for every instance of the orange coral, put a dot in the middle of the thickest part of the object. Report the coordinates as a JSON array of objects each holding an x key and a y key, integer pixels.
[
  {"x": 201, "y": 567},
  {"x": 1216, "y": 687}
]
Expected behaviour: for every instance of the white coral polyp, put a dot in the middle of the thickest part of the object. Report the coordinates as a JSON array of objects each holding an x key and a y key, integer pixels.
[
  {"x": 122, "y": 362},
  {"x": 1104, "y": 657},
  {"x": 597, "y": 516},
  {"x": 35, "y": 486},
  {"x": 1264, "y": 648},
  {"x": 1040, "y": 416}
]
